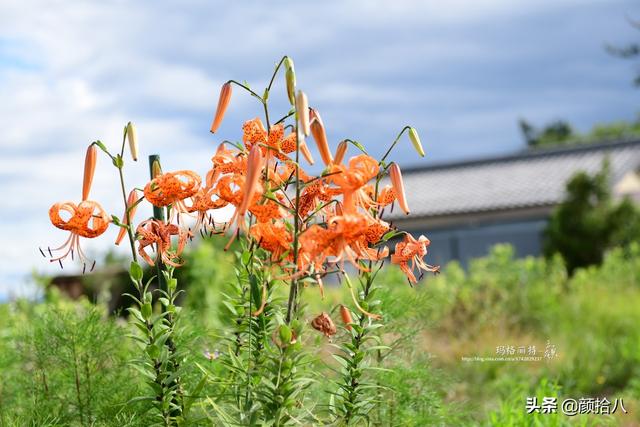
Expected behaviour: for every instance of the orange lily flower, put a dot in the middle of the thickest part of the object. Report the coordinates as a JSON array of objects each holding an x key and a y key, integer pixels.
[
  {"x": 273, "y": 237},
  {"x": 280, "y": 145},
  {"x": 172, "y": 187},
  {"x": 350, "y": 179},
  {"x": 249, "y": 192},
  {"x": 226, "y": 161},
  {"x": 412, "y": 250},
  {"x": 86, "y": 219},
  {"x": 155, "y": 232},
  {"x": 347, "y": 236}
]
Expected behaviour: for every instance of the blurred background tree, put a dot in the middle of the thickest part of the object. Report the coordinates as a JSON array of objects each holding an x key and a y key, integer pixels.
[
  {"x": 560, "y": 132},
  {"x": 590, "y": 221}
]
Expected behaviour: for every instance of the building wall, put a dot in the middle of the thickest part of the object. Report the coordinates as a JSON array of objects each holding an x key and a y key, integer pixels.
[{"x": 466, "y": 241}]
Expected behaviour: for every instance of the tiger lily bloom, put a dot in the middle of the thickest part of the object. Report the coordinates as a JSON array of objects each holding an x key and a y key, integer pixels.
[
  {"x": 412, "y": 250},
  {"x": 272, "y": 142},
  {"x": 226, "y": 161},
  {"x": 350, "y": 179},
  {"x": 172, "y": 187},
  {"x": 87, "y": 219},
  {"x": 223, "y": 103},
  {"x": 346, "y": 237},
  {"x": 155, "y": 232},
  {"x": 273, "y": 237}
]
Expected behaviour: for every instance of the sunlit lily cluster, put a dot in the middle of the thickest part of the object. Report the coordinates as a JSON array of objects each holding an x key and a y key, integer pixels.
[{"x": 309, "y": 225}]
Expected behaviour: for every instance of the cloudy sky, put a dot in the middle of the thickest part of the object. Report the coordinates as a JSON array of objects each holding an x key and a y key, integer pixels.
[{"x": 461, "y": 72}]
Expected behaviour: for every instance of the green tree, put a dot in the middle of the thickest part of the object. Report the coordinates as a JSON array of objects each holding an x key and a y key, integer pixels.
[
  {"x": 560, "y": 132},
  {"x": 589, "y": 221},
  {"x": 555, "y": 133}
]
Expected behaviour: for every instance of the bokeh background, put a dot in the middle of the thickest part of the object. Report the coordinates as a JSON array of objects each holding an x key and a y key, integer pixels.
[{"x": 462, "y": 72}]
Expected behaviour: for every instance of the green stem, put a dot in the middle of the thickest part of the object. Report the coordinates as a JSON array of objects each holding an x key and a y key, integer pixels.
[
  {"x": 394, "y": 143},
  {"x": 293, "y": 290}
]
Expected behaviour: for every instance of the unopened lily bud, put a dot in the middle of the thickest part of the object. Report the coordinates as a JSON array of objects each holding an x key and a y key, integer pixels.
[
  {"x": 156, "y": 169},
  {"x": 320, "y": 136},
  {"x": 339, "y": 210},
  {"x": 304, "y": 149},
  {"x": 346, "y": 316},
  {"x": 89, "y": 169},
  {"x": 126, "y": 219},
  {"x": 302, "y": 108},
  {"x": 302, "y": 145},
  {"x": 223, "y": 103},
  {"x": 398, "y": 187},
  {"x": 290, "y": 76},
  {"x": 415, "y": 140},
  {"x": 254, "y": 169},
  {"x": 340, "y": 152},
  {"x": 132, "y": 136}
]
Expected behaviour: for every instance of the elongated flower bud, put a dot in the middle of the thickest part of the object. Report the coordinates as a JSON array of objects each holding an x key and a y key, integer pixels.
[
  {"x": 131, "y": 207},
  {"x": 398, "y": 187},
  {"x": 415, "y": 140},
  {"x": 156, "y": 169},
  {"x": 302, "y": 108},
  {"x": 346, "y": 316},
  {"x": 290, "y": 76},
  {"x": 223, "y": 103},
  {"x": 304, "y": 149},
  {"x": 89, "y": 169},
  {"x": 132, "y": 136},
  {"x": 254, "y": 168},
  {"x": 340, "y": 152},
  {"x": 320, "y": 136}
]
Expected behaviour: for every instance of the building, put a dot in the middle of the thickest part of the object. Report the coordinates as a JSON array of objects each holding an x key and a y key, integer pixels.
[{"x": 466, "y": 207}]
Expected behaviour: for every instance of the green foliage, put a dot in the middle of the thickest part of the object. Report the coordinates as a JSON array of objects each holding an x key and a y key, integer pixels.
[
  {"x": 64, "y": 364},
  {"x": 512, "y": 411},
  {"x": 206, "y": 267},
  {"x": 588, "y": 221},
  {"x": 161, "y": 361},
  {"x": 419, "y": 379},
  {"x": 261, "y": 375},
  {"x": 356, "y": 393}
]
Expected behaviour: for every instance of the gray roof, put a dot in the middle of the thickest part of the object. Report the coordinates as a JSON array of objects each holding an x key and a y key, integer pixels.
[{"x": 530, "y": 178}]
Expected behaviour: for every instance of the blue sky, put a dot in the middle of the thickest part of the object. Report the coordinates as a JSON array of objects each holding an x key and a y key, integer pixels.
[{"x": 461, "y": 72}]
